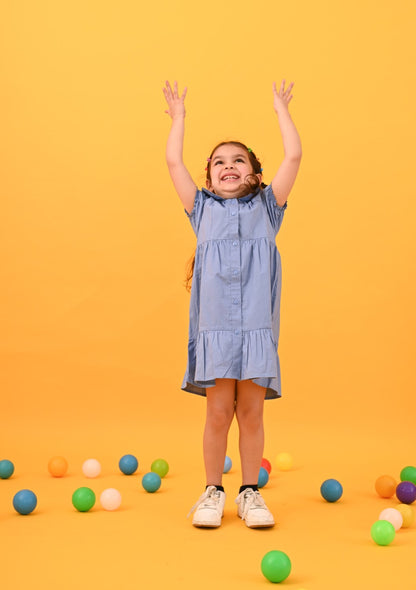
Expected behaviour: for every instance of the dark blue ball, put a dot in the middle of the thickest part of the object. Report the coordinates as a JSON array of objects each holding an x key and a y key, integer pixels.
[
  {"x": 128, "y": 464},
  {"x": 263, "y": 477},
  {"x": 24, "y": 502},
  {"x": 331, "y": 490},
  {"x": 6, "y": 469},
  {"x": 151, "y": 482}
]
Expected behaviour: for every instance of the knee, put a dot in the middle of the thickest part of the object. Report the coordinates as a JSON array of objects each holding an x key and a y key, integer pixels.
[
  {"x": 249, "y": 419},
  {"x": 220, "y": 418}
]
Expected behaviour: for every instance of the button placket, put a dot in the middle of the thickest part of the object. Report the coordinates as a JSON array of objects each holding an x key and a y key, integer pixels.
[{"x": 235, "y": 282}]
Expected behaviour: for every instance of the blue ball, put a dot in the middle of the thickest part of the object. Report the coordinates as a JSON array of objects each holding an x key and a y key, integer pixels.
[
  {"x": 227, "y": 464},
  {"x": 331, "y": 490},
  {"x": 151, "y": 482},
  {"x": 128, "y": 464},
  {"x": 263, "y": 477},
  {"x": 6, "y": 469},
  {"x": 24, "y": 502}
]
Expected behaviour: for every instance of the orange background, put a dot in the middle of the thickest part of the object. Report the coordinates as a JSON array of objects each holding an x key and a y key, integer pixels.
[{"x": 93, "y": 314}]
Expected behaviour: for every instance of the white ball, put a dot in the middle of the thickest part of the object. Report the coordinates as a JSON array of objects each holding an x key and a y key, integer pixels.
[
  {"x": 110, "y": 499},
  {"x": 393, "y": 516},
  {"x": 91, "y": 468}
]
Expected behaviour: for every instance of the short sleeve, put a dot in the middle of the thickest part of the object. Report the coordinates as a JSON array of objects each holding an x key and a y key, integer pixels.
[
  {"x": 274, "y": 211},
  {"x": 196, "y": 214}
]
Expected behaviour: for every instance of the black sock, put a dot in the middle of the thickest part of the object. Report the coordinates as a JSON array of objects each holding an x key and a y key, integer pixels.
[
  {"x": 254, "y": 488},
  {"x": 219, "y": 488}
]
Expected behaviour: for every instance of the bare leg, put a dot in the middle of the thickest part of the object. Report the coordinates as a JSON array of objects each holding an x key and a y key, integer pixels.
[
  {"x": 249, "y": 412},
  {"x": 220, "y": 412}
]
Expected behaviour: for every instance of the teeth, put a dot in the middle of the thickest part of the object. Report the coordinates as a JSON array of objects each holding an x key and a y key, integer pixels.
[{"x": 230, "y": 177}]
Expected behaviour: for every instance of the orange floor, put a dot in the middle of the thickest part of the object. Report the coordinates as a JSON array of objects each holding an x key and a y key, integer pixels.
[{"x": 149, "y": 542}]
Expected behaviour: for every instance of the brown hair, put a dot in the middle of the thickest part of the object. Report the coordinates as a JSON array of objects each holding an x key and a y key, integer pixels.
[{"x": 251, "y": 182}]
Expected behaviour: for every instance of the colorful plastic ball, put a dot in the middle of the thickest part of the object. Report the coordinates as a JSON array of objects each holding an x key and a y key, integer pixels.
[
  {"x": 392, "y": 515},
  {"x": 227, "y": 464},
  {"x": 276, "y": 566},
  {"x": 58, "y": 466},
  {"x": 25, "y": 501},
  {"x": 408, "y": 474},
  {"x": 331, "y": 490},
  {"x": 263, "y": 477},
  {"x": 151, "y": 482},
  {"x": 408, "y": 514},
  {"x": 110, "y": 499},
  {"x": 91, "y": 468},
  {"x": 382, "y": 532},
  {"x": 385, "y": 486},
  {"x": 267, "y": 465},
  {"x": 6, "y": 469},
  {"x": 406, "y": 492},
  {"x": 83, "y": 499},
  {"x": 284, "y": 461},
  {"x": 128, "y": 464},
  {"x": 160, "y": 466}
]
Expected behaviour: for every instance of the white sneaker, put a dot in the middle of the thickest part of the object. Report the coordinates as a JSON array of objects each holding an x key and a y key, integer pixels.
[
  {"x": 252, "y": 509},
  {"x": 209, "y": 509}
]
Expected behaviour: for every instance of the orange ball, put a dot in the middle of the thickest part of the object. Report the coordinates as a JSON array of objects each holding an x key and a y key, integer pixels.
[
  {"x": 58, "y": 466},
  {"x": 385, "y": 486}
]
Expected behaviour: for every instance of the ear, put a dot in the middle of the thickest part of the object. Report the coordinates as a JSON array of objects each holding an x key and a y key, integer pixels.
[
  {"x": 208, "y": 184},
  {"x": 260, "y": 177}
]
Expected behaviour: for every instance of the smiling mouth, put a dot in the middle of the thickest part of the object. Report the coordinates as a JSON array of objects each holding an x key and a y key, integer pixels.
[{"x": 229, "y": 177}]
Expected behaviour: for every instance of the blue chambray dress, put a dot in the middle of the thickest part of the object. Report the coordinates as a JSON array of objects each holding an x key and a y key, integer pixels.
[{"x": 234, "y": 315}]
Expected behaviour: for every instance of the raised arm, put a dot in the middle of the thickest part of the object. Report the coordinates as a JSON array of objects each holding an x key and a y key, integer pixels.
[
  {"x": 184, "y": 185},
  {"x": 285, "y": 177}
]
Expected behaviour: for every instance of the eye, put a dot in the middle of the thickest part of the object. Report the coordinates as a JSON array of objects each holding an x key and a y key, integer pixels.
[
  {"x": 217, "y": 162},
  {"x": 240, "y": 160}
]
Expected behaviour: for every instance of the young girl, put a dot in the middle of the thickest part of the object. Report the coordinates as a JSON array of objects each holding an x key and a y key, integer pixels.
[{"x": 235, "y": 299}]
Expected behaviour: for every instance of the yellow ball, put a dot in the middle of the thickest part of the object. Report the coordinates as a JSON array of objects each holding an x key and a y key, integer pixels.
[
  {"x": 408, "y": 514},
  {"x": 284, "y": 461}
]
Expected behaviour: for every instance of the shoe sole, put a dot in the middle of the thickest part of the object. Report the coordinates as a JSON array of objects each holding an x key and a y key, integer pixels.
[
  {"x": 260, "y": 526},
  {"x": 206, "y": 524},
  {"x": 203, "y": 525}
]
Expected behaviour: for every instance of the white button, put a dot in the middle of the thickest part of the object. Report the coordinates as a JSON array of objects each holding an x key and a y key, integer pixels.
[{"x": 235, "y": 243}]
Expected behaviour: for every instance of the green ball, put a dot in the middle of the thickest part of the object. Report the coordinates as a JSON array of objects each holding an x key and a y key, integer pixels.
[
  {"x": 408, "y": 474},
  {"x": 160, "y": 466},
  {"x": 276, "y": 566},
  {"x": 83, "y": 499},
  {"x": 383, "y": 532}
]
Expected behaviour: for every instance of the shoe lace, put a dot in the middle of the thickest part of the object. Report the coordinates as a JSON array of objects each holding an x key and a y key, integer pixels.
[
  {"x": 209, "y": 499},
  {"x": 252, "y": 499}
]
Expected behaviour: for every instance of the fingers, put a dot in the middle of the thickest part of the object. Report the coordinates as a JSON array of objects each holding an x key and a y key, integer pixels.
[
  {"x": 173, "y": 93},
  {"x": 282, "y": 93}
]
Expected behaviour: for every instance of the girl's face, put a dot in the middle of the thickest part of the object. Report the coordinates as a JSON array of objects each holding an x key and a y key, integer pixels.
[{"x": 230, "y": 165}]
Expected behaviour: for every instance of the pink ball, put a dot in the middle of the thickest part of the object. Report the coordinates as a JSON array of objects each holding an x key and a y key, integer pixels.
[
  {"x": 110, "y": 499},
  {"x": 91, "y": 468},
  {"x": 392, "y": 515}
]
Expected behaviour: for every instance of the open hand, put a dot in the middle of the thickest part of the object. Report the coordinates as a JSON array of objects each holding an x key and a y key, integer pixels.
[
  {"x": 282, "y": 97},
  {"x": 176, "y": 104}
]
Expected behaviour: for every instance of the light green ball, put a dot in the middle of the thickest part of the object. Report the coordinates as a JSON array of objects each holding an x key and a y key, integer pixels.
[
  {"x": 160, "y": 466},
  {"x": 383, "y": 532},
  {"x": 276, "y": 566},
  {"x": 83, "y": 499},
  {"x": 408, "y": 474}
]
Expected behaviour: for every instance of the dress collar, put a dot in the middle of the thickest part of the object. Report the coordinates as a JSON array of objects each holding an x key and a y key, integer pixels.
[{"x": 244, "y": 199}]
